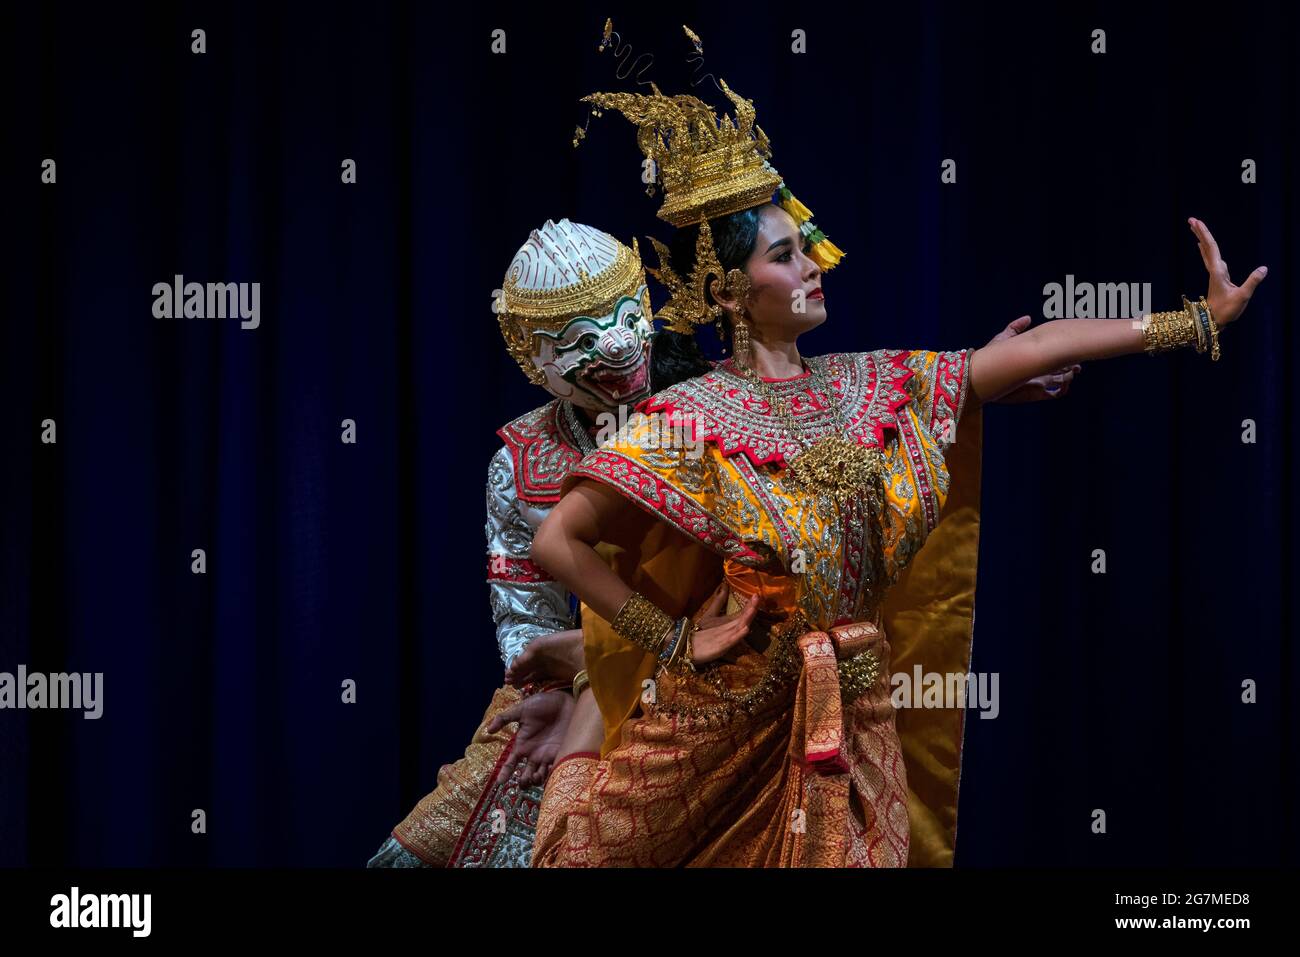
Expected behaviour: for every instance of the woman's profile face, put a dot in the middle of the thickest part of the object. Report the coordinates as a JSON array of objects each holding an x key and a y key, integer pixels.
[{"x": 785, "y": 296}]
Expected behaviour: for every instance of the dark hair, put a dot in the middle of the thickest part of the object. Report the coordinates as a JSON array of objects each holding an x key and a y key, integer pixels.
[{"x": 675, "y": 357}]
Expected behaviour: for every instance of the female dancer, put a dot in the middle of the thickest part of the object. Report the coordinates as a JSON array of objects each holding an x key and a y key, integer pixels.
[{"x": 754, "y": 603}]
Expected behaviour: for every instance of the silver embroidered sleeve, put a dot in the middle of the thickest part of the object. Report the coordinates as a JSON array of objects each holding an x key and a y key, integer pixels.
[
  {"x": 940, "y": 398},
  {"x": 522, "y": 610}
]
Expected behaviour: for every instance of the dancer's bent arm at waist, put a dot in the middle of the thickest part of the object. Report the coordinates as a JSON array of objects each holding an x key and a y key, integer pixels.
[{"x": 565, "y": 547}]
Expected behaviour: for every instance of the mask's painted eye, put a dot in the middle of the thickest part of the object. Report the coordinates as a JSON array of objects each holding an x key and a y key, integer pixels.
[
  {"x": 587, "y": 342},
  {"x": 629, "y": 319}
]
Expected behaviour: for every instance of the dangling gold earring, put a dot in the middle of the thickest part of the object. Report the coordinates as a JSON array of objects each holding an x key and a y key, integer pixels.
[
  {"x": 740, "y": 340},
  {"x": 737, "y": 283}
]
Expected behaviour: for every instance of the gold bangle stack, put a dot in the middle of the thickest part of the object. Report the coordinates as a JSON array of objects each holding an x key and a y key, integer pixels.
[
  {"x": 679, "y": 649},
  {"x": 1193, "y": 325},
  {"x": 580, "y": 683},
  {"x": 1201, "y": 308},
  {"x": 641, "y": 622},
  {"x": 688, "y": 649}
]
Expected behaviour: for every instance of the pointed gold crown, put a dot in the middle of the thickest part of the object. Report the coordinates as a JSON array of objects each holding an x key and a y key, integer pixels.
[{"x": 707, "y": 167}]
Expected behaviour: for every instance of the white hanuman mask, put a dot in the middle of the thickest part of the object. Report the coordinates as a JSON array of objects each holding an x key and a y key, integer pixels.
[
  {"x": 576, "y": 316},
  {"x": 599, "y": 362}
]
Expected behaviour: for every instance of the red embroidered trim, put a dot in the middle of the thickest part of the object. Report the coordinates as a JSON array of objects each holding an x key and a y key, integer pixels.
[
  {"x": 740, "y": 422},
  {"x": 506, "y": 569},
  {"x": 644, "y": 487},
  {"x": 542, "y": 454}
]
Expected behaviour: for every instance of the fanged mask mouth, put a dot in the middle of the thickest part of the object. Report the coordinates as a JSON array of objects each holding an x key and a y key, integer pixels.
[{"x": 617, "y": 383}]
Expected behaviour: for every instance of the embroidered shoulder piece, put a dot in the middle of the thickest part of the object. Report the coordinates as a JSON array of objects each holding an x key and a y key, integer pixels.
[
  {"x": 544, "y": 450},
  {"x": 940, "y": 389},
  {"x": 868, "y": 389}
]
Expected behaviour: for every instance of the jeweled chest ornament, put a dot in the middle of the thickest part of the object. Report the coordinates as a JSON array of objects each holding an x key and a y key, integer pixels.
[
  {"x": 834, "y": 464},
  {"x": 839, "y": 467}
]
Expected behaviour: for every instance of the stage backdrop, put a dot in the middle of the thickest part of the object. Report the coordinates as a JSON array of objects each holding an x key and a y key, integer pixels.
[{"x": 221, "y": 157}]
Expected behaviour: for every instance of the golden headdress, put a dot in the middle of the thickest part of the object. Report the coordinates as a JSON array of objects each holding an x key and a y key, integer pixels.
[
  {"x": 563, "y": 271},
  {"x": 707, "y": 167}
]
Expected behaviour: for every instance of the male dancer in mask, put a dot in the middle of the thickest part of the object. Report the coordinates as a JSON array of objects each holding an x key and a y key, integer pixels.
[{"x": 575, "y": 313}]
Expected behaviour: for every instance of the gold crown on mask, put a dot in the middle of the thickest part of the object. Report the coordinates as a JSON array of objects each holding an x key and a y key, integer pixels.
[
  {"x": 708, "y": 167},
  {"x": 564, "y": 270}
]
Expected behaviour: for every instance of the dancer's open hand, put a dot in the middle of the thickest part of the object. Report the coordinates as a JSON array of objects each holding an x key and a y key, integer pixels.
[
  {"x": 719, "y": 633},
  {"x": 543, "y": 719},
  {"x": 1227, "y": 301}
]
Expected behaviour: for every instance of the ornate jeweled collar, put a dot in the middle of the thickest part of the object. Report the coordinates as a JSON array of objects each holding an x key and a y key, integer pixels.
[
  {"x": 545, "y": 444},
  {"x": 867, "y": 387}
]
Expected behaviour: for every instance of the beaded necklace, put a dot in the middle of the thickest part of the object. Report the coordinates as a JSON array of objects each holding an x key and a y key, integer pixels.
[{"x": 579, "y": 431}]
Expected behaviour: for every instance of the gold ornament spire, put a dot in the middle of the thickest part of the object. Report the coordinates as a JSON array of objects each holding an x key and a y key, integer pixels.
[{"x": 707, "y": 166}]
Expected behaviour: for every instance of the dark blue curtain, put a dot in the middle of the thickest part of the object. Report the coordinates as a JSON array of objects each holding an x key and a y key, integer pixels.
[{"x": 329, "y": 562}]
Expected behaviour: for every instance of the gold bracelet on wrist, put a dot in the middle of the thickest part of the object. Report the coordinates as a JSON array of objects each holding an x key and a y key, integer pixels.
[
  {"x": 1213, "y": 326},
  {"x": 1165, "y": 331},
  {"x": 580, "y": 683},
  {"x": 1202, "y": 332},
  {"x": 688, "y": 648},
  {"x": 641, "y": 622},
  {"x": 1193, "y": 325},
  {"x": 673, "y": 646},
  {"x": 682, "y": 632}
]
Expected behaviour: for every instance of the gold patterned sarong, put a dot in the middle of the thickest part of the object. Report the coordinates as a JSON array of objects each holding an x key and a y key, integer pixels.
[
  {"x": 809, "y": 782},
  {"x": 470, "y": 819},
  {"x": 787, "y": 784}
]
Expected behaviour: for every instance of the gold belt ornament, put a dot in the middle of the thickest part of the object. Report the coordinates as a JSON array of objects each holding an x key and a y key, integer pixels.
[{"x": 845, "y": 652}]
